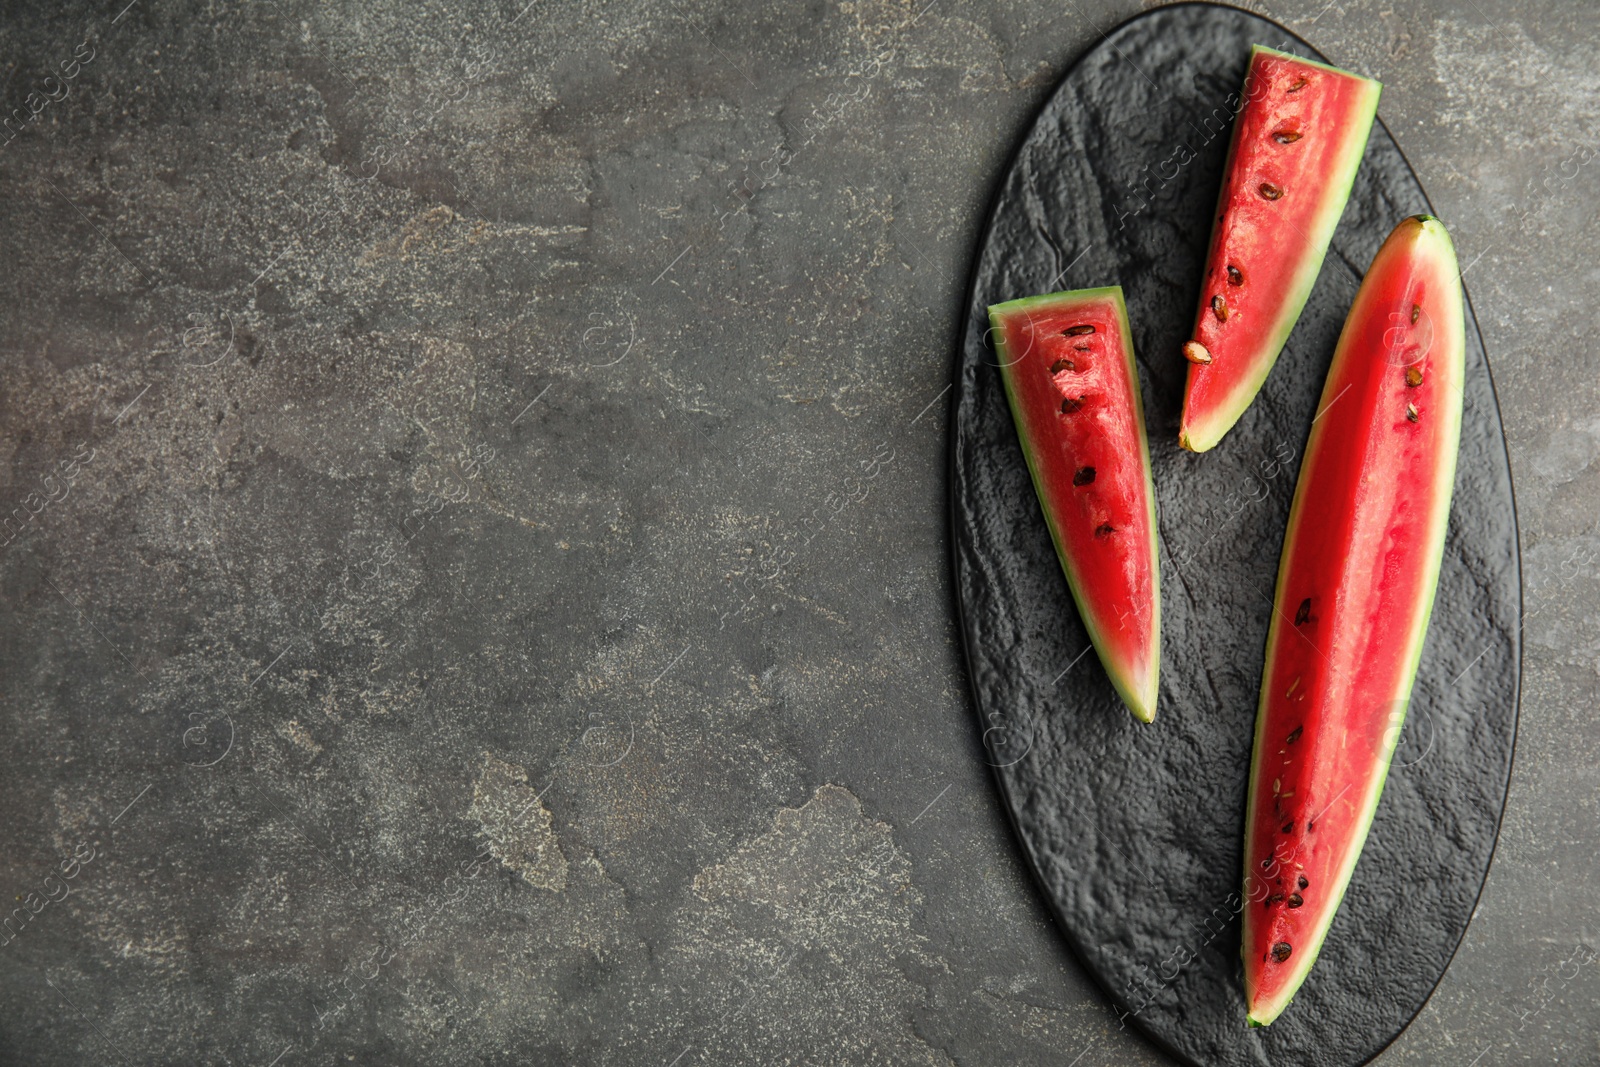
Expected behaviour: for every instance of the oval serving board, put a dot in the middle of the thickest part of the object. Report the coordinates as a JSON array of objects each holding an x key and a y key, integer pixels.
[{"x": 1134, "y": 832}]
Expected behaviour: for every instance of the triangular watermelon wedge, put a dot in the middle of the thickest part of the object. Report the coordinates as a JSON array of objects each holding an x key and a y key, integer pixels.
[
  {"x": 1297, "y": 143},
  {"x": 1067, "y": 363},
  {"x": 1356, "y": 582}
]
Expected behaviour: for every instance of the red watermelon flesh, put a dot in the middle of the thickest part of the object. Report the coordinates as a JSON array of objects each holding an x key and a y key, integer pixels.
[
  {"x": 1067, "y": 363},
  {"x": 1297, "y": 142},
  {"x": 1356, "y": 582}
]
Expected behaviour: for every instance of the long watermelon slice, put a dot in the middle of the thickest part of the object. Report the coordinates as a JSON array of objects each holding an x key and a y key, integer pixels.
[
  {"x": 1067, "y": 363},
  {"x": 1297, "y": 142},
  {"x": 1355, "y": 587}
]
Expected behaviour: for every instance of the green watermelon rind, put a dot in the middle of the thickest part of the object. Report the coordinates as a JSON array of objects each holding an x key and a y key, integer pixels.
[
  {"x": 1439, "y": 524},
  {"x": 1141, "y": 702},
  {"x": 1203, "y": 436}
]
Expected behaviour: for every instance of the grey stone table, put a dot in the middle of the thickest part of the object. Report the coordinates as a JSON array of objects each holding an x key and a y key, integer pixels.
[{"x": 476, "y": 587}]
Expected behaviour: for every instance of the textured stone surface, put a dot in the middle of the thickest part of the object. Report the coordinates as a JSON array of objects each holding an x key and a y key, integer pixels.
[
  {"x": 282, "y": 283},
  {"x": 1135, "y": 832}
]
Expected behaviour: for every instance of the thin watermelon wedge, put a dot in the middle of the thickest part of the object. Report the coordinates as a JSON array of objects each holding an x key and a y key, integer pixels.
[
  {"x": 1356, "y": 582},
  {"x": 1067, "y": 363},
  {"x": 1298, "y": 140}
]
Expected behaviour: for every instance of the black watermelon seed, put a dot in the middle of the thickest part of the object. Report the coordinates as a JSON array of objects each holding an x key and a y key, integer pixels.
[
  {"x": 1084, "y": 476},
  {"x": 1295, "y": 900},
  {"x": 1062, "y": 364},
  {"x": 1269, "y": 191},
  {"x": 1304, "y": 881},
  {"x": 1071, "y": 404},
  {"x": 1234, "y": 277},
  {"x": 1416, "y": 313},
  {"x": 1303, "y": 614},
  {"x": 1104, "y": 529},
  {"x": 1281, "y": 951},
  {"x": 1294, "y": 735}
]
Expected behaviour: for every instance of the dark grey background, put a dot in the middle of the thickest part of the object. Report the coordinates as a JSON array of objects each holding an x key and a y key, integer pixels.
[{"x": 628, "y": 726}]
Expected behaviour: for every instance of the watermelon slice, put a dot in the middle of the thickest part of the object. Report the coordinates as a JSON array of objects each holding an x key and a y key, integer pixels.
[
  {"x": 1297, "y": 142},
  {"x": 1355, "y": 587},
  {"x": 1067, "y": 363}
]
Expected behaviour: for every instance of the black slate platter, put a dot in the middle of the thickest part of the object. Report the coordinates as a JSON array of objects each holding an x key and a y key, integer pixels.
[{"x": 1134, "y": 831}]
